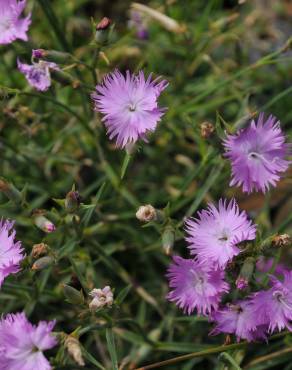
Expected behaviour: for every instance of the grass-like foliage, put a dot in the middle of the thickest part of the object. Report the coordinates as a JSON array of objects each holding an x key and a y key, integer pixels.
[{"x": 145, "y": 198}]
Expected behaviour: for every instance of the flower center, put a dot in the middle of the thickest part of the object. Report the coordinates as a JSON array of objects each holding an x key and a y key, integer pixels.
[
  {"x": 5, "y": 24},
  {"x": 132, "y": 107},
  {"x": 255, "y": 156},
  {"x": 223, "y": 236},
  {"x": 281, "y": 298}
]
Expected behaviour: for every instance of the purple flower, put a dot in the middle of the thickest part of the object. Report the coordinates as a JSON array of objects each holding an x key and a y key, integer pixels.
[
  {"x": 214, "y": 235},
  {"x": 265, "y": 264},
  {"x": 129, "y": 105},
  {"x": 275, "y": 304},
  {"x": 22, "y": 344},
  {"x": 257, "y": 155},
  {"x": 139, "y": 24},
  {"x": 195, "y": 285},
  {"x": 38, "y": 74},
  {"x": 240, "y": 319},
  {"x": 10, "y": 251},
  {"x": 13, "y": 27}
]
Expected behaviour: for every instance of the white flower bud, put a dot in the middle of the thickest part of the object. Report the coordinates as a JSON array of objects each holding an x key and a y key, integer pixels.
[
  {"x": 101, "y": 297},
  {"x": 146, "y": 213}
]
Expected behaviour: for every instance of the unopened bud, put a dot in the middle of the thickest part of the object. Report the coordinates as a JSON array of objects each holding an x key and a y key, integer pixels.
[
  {"x": 42, "y": 263},
  {"x": 38, "y": 53},
  {"x": 241, "y": 283},
  {"x": 42, "y": 222},
  {"x": 283, "y": 240},
  {"x": 10, "y": 191},
  {"x": 146, "y": 213},
  {"x": 168, "y": 238},
  {"x": 103, "y": 24},
  {"x": 72, "y": 201},
  {"x": 245, "y": 273},
  {"x": 52, "y": 56},
  {"x": 73, "y": 295},
  {"x": 101, "y": 297},
  {"x": 73, "y": 347},
  {"x": 39, "y": 250},
  {"x": 102, "y": 31},
  {"x": 207, "y": 129}
]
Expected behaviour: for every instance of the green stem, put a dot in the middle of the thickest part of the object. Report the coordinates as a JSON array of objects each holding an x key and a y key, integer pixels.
[{"x": 206, "y": 352}]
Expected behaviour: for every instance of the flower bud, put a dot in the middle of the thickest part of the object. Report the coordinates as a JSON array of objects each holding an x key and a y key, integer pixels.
[
  {"x": 52, "y": 56},
  {"x": 146, "y": 213},
  {"x": 102, "y": 31},
  {"x": 73, "y": 295},
  {"x": 72, "y": 201},
  {"x": 39, "y": 250},
  {"x": 241, "y": 283},
  {"x": 283, "y": 240},
  {"x": 73, "y": 347},
  {"x": 10, "y": 191},
  {"x": 101, "y": 297},
  {"x": 168, "y": 238},
  {"x": 42, "y": 222},
  {"x": 245, "y": 273},
  {"x": 38, "y": 53},
  {"x": 42, "y": 263},
  {"x": 207, "y": 129}
]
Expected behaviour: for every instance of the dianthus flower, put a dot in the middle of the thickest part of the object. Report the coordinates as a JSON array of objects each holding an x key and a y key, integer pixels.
[
  {"x": 240, "y": 319},
  {"x": 214, "y": 235},
  {"x": 22, "y": 344},
  {"x": 139, "y": 24},
  {"x": 257, "y": 155},
  {"x": 13, "y": 27},
  {"x": 38, "y": 74},
  {"x": 10, "y": 251},
  {"x": 101, "y": 297},
  {"x": 129, "y": 105},
  {"x": 195, "y": 286},
  {"x": 275, "y": 304}
]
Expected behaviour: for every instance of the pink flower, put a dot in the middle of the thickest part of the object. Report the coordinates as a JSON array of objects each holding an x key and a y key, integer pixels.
[
  {"x": 195, "y": 286},
  {"x": 10, "y": 251},
  {"x": 257, "y": 155},
  {"x": 38, "y": 74},
  {"x": 13, "y": 27},
  {"x": 240, "y": 319},
  {"x": 22, "y": 344},
  {"x": 275, "y": 304},
  {"x": 129, "y": 105},
  {"x": 101, "y": 297},
  {"x": 213, "y": 236}
]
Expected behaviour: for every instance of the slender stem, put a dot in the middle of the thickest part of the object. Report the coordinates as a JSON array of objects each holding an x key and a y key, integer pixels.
[{"x": 203, "y": 353}]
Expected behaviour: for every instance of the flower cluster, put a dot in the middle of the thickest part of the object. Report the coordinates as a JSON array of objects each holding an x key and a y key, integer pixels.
[{"x": 219, "y": 234}]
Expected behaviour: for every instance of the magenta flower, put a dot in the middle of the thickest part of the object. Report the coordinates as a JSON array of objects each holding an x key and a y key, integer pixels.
[
  {"x": 240, "y": 319},
  {"x": 129, "y": 105},
  {"x": 195, "y": 286},
  {"x": 10, "y": 251},
  {"x": 38, "y": 74},
  {"x": 22, "y": 344},
  {"x": 215, "y": 234},
  {"x": 13, "y": 27},
  {"x": 139, "y": 24},
  {"x": 275, "y": 304},
  {"x": 257, "y": 155},
  {"x": 264, "y": 265}
]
